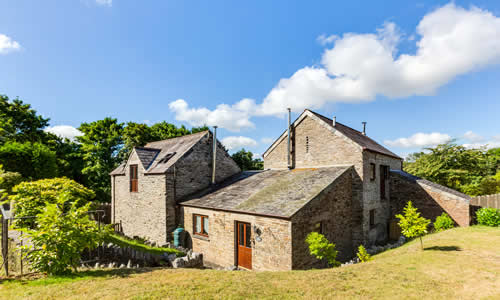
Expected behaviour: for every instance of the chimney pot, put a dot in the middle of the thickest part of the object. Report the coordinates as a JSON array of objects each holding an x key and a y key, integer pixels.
[
  {"x": 334, "y": 121},
  {"x": 364, "y": 128}
]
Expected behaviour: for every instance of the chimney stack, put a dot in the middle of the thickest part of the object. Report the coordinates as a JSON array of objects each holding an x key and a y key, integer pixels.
[
  {"x": 288, "y": 131},
  {"x": 364, "y": 128},
  {"x": 214, "y": 153},
  {"x": 334, "y": 121}
]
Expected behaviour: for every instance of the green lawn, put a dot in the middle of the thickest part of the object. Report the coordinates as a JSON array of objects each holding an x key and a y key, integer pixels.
[{"x": 459, "y": 263}]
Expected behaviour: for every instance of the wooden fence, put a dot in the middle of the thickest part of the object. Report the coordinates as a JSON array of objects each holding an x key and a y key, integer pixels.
[{"x": 492, "y": 201}]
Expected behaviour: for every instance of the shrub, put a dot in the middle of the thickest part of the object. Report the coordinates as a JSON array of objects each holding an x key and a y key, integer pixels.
[
  {"x": 488, "y": 216},
  {"x": 61, "y": 236},
  {"x": 321, "y": 248},
  {"x": 31, "y": 197},
  {"x": 443, "y": 222},
  {"x": 363, "y": 255},
  {"x": 412, "y": 224},
  {"x": 9, "y": 179},
  {"x": 31, "y": 160}
]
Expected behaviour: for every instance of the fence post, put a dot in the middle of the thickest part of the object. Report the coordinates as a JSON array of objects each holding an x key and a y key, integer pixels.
[{"x": 5, "y": 244}]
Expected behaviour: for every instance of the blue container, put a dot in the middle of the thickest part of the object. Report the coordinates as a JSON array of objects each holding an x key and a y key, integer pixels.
[{"x": 177, "y": 236}]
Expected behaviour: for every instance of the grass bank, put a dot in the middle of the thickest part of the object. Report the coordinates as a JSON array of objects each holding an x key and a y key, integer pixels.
[
  {"x": 125, "y": 242},
  {"x": 459, "y": 263}
]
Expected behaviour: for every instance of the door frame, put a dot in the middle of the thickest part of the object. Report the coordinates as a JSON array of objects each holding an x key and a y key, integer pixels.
[{"x": 236, "y": 243}]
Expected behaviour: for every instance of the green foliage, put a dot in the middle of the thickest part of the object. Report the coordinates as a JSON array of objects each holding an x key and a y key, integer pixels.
[
  {"x": 8, "y": 180},
  {"x": 31, "y": 160},
  {"x": 488, "y": 216},
  {"x": 471, "y": 171},
  {"x": 30, "y": 198},
  {"x": 363, "y": 255},
  {"x": 138, "y": 245},
  {"x": 245, "y": 161},
  {"x": 443, "y": 222},
  {"x": 61, "y": 235},
  {"x": 412, "y": 224},
  {"x": 19, "y": 122},
  {"x": 321, "y": 248},
  {"x": 100, "y": 145}
]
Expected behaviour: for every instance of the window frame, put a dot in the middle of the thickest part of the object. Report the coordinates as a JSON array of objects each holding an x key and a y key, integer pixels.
[
  {"x": 373, "y": 171},
  {"x": 202, "y": 225},
  {"x": 134, "y": 178},
  {"x": 372, "y": 218}
]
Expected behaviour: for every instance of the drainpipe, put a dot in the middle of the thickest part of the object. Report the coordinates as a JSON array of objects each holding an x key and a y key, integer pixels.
[
  {"x": 214, "y": 153},
  {"x": 288, "y": 146}
]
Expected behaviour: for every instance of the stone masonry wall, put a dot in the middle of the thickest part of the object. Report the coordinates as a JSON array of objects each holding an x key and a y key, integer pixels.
[
  {"x": 333, "y": 209},
  {"x": 430, "y": 200},
  {"x": 372, "y": 197},
  {"x": 273, "y": 252},
  {"x": 141, "y": 213},
  {"x": 193, "y": 172}
]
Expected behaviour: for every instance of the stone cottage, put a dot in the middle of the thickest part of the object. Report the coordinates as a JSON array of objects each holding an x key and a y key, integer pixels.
[{"x": 320, "y": 175}]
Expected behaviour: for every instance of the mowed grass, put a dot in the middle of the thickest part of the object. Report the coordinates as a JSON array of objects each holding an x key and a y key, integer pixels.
[{"x": 460, "y": 263}]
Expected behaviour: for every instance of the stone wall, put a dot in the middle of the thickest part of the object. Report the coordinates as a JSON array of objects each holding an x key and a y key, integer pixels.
[
  {"x": 333, "y": 209},
  {"x": 273, "y": 252},
  {"x": 430, "y": 198},
  {"x": 142, "y": 213},
  {"x": 372, "y": 197},
  {"x": 193, "y": 172}
]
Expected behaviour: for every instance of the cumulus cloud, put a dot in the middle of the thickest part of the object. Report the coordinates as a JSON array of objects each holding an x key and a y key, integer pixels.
[
  {"x": 64, "y": 131},
  {"x": 233, "y": 118},
  {"x": 104, "y": 2},
  {"x": 8, "y": 45},
  {"x": 450, "y": 41},
  {"x": 493, "y": 142},
  {"x": 420, "y": 140},
  {"x": 237, "y": 142},
  {"x": 325, "y": 40},
  {"x": 473, "y": 137}
]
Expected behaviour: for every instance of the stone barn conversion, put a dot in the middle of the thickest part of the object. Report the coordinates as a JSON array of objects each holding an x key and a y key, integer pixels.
[{"x": 320, "y": 175}]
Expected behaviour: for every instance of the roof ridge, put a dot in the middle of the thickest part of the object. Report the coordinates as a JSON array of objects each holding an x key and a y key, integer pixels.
[
  {"x": 336, "y": 122},
  {"x": 147, "y": 148},
  {"x": 178, "y": 137}
]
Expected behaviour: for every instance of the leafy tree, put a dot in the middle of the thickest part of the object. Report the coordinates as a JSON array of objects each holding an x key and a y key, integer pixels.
[
  {"x": 61, "y": 235},
  {"x": 363, "y": 254},
  {"x": 244, "y": 159},
  {"x": 30, "y": 198},
  {"x": 31, "y": 160},
  {"x": 412, "y": 224},
  {"x": 321, "y": 248},
  {"x": 19, "y": 122},
  {"x": 100, "y": 145},
  {"x": 443, "y": 222}
]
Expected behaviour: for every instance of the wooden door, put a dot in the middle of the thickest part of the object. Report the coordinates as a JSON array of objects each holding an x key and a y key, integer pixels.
[{"x": 244, "y": 245}]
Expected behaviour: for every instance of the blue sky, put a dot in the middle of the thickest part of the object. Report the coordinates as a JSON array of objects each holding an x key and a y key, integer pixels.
[{"x": 418, "y": 72}]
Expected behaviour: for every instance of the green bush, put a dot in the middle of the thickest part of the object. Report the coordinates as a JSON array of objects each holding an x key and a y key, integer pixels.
[
  {"x": 30, "y": 198},
  {"x": 488, "y": 216},
  {"x": 412, "y": 224},
  {"x": 61, "y": 236},
  {"x": 443, "y": 222},
  {"x": 363, "y": 255},
  {"x": 321, "y": 248},
  {"x": 31, "y": 160}
]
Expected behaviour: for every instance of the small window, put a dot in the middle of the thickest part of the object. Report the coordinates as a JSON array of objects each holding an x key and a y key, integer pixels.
[
  {"x": 307, "y": 144},
  {"x": 200, "y": 225},
  {"x": 372, "y": 218},
  {"x": 133, "y": 178},
  {"x": 373, "y": 175},
  {"x": 318, "y": 227}
]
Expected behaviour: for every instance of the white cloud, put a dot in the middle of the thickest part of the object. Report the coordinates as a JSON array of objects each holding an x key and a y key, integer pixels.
[
  {"x": 104, "y": 2},
  {"x": 233, "y": 118},
  {"x": 419, "y": 140},
  {"x": 257, "y": 156},
  {"x": 473, "y": 137},
  {"x": 8, "y": 45},
  {"x": 266, "y": 140},
  {"x": 325, "y": 40},
  {"x": 493, "y": 142},
  {"x": 64, "y": 131},
  {"x": 237, "y": 142},
  {"x": 450, "y": 41}
]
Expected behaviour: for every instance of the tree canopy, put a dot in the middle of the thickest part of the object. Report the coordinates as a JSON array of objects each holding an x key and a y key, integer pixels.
[{"x": 245, "y": 160}]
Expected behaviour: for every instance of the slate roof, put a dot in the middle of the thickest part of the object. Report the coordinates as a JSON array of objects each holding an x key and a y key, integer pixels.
[
  {"x": 157, "y": 157},
  {"x": 413, "y": 178},
  {"x": 278, "y": 193},
  {"x": 357, "y": 137}
]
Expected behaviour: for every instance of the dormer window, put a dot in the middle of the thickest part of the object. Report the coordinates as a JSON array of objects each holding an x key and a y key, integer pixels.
[{"x": 134, "y": 186}]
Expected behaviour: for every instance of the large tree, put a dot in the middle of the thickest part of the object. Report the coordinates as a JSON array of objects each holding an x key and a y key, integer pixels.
[
  {"x": 245, "y": 160},
  {"x": 100, "y": 143}
]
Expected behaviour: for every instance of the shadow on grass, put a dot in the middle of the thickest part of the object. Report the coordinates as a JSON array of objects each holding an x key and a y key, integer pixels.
[
  {"x": 39, "y": 278},
  {"x": 443, "y": 248}
]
